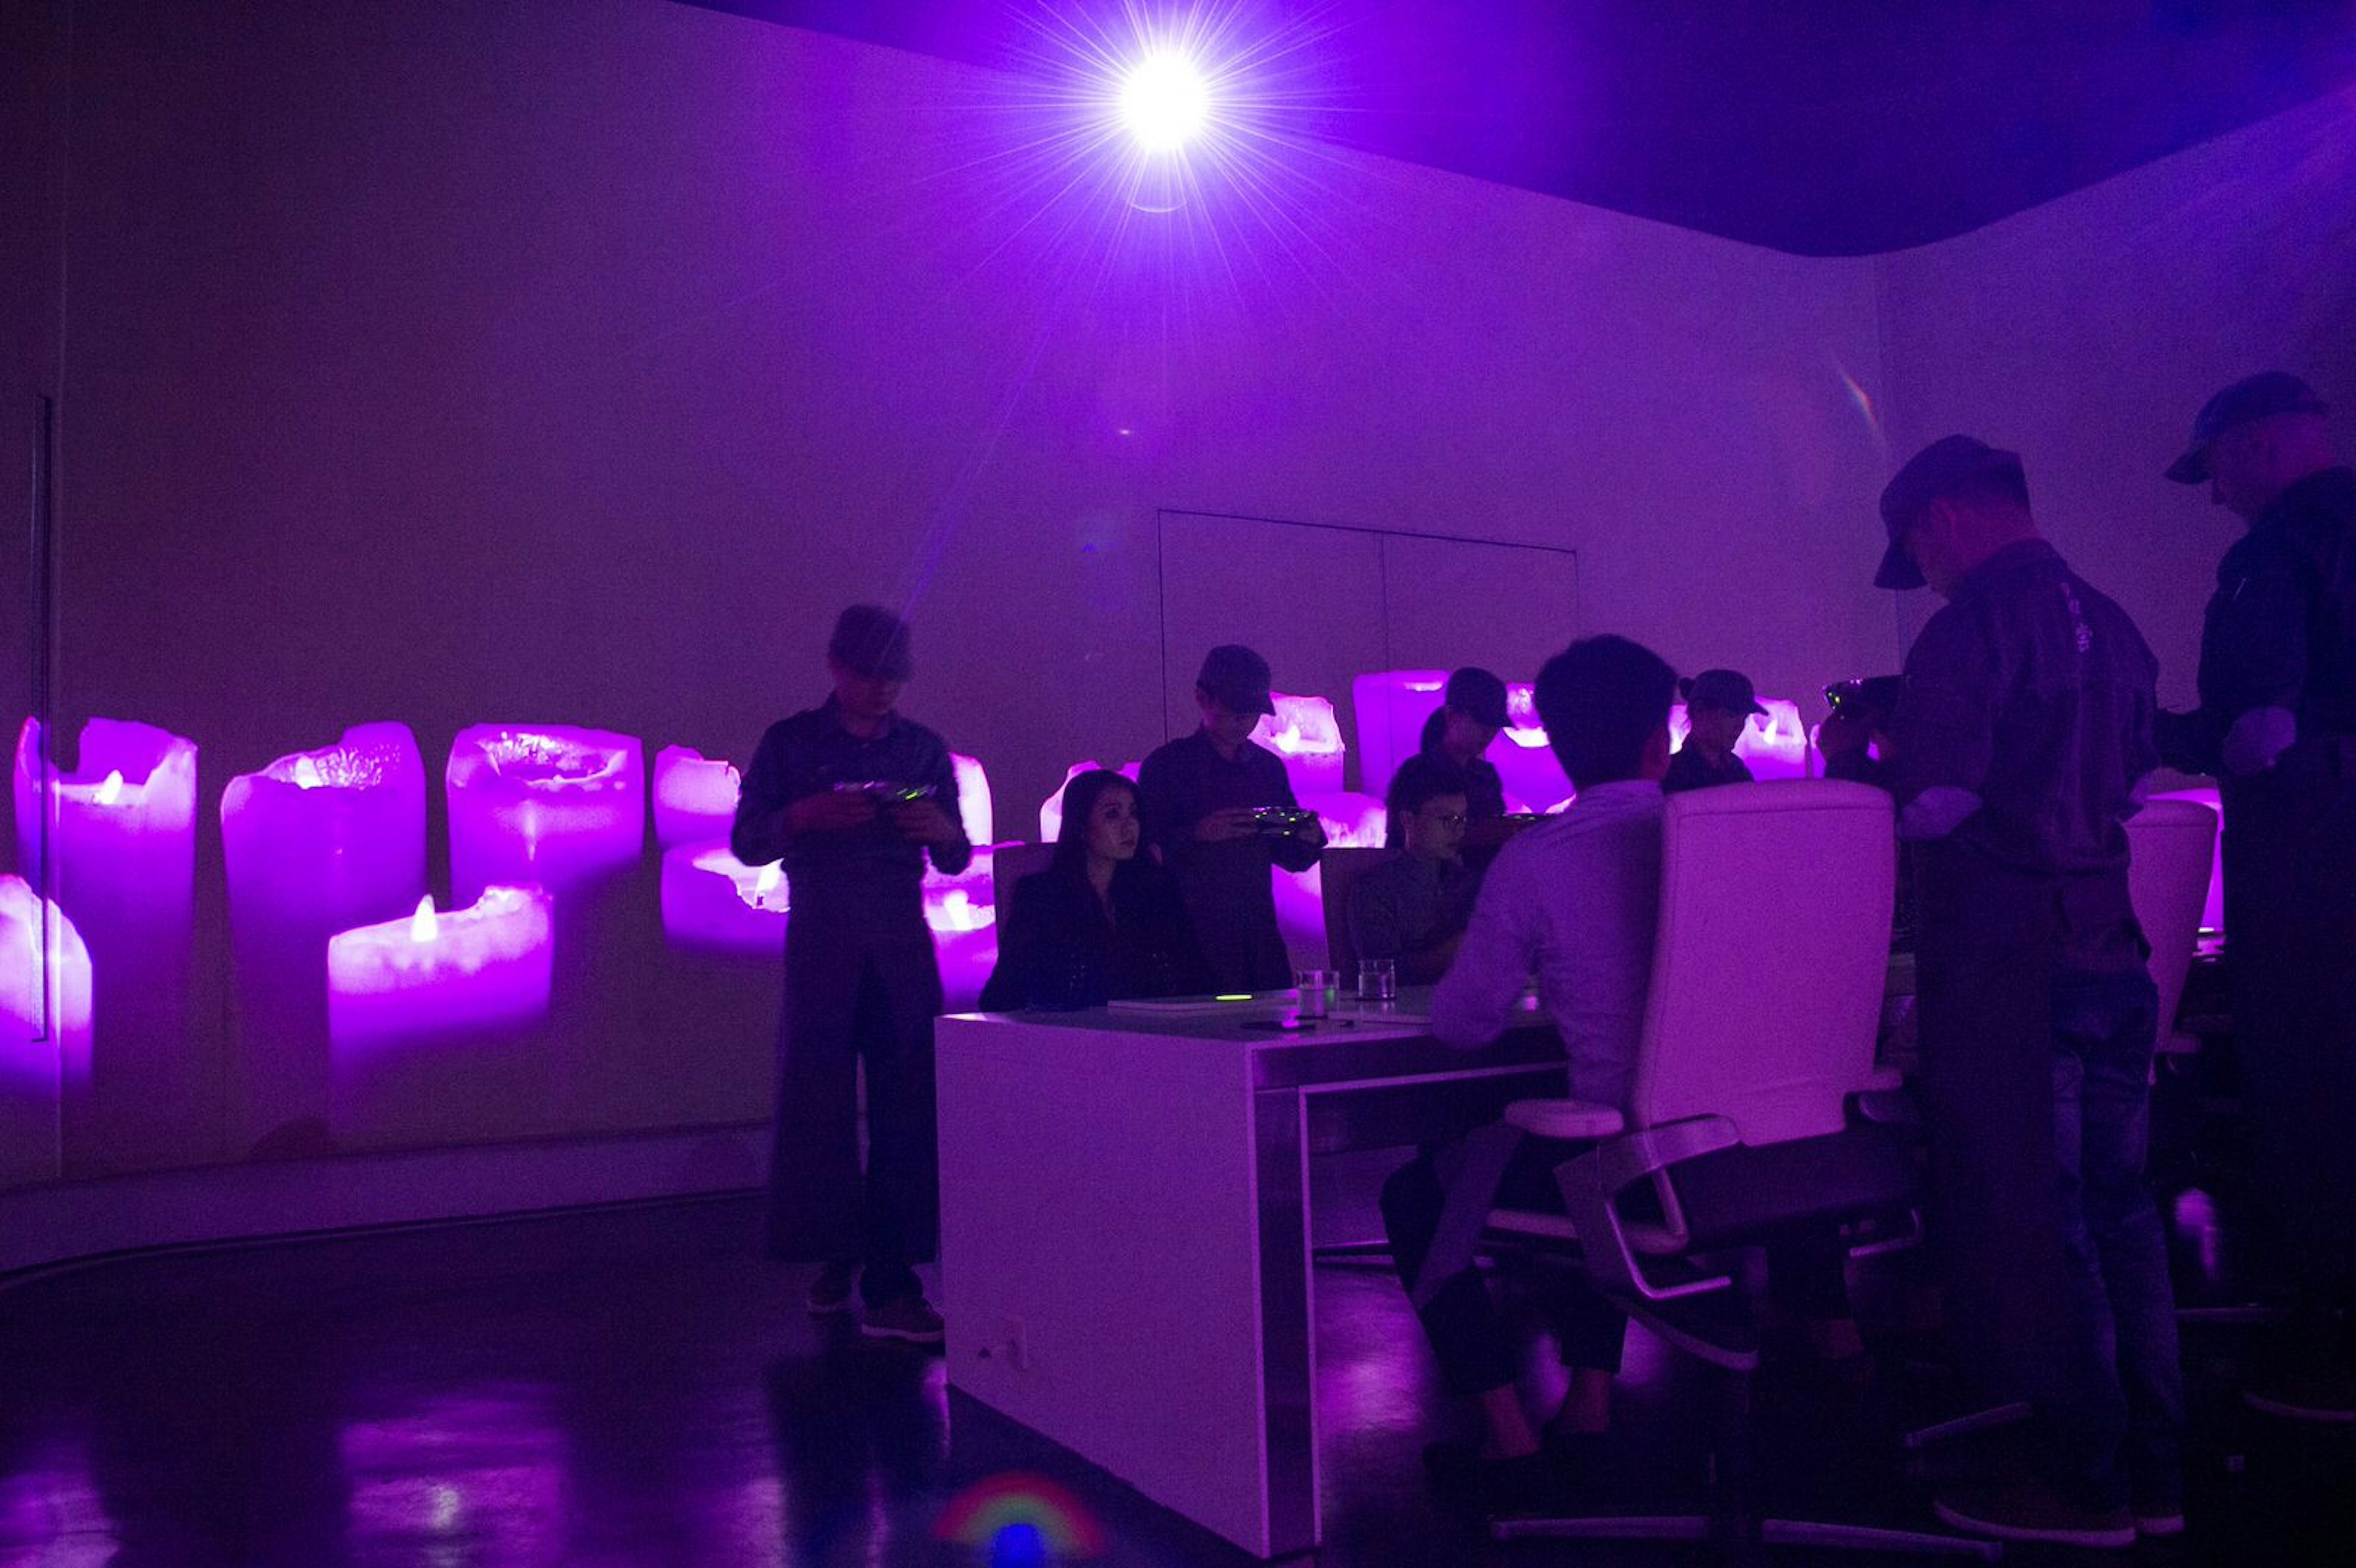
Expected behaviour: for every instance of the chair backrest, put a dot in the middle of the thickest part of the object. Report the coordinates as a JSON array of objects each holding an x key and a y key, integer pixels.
[
  {"x": 2172, "y": 843},
  {"x": 1009, "y": 864},
  {"x": 1773, "y": 950},
  {"x": 1339, "y": 868}
]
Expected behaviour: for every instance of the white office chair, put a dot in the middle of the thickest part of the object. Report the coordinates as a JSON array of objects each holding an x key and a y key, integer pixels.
[
  {"x": 2173, "y": 844},
  {"x": 1750, "y": 1120}
]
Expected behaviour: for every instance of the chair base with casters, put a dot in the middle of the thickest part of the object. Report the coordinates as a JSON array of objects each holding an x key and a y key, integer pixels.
[{"x": 1732, "y": 1198}]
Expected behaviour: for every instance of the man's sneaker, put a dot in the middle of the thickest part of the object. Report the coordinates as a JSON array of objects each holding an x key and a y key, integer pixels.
[
  {"x": 2321, "y": 1394},
  {"x": 909, "y": 1317},
  {"x": 831, "y": 1292},
  {"x": 2022, "y": 1509}
]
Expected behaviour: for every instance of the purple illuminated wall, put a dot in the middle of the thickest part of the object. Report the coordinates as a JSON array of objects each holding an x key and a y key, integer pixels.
[{"x": 588, "y": 386}]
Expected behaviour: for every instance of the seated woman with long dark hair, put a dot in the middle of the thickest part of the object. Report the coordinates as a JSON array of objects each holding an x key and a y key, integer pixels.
[{"x": 1101, "y": 921}]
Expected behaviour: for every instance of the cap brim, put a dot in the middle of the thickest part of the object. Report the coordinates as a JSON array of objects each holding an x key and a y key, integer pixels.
[
  {"x": 2192, "y": 469},
  {"x": 1755, "y": 708},
  {"x": 1898, "y": 569}
]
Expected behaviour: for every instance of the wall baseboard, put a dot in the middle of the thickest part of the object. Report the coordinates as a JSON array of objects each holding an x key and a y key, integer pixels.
[{"x": 70, "y": 1223}]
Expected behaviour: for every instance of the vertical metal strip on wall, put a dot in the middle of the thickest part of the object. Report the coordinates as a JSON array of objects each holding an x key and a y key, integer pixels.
[{"x": 40, "y": 622}]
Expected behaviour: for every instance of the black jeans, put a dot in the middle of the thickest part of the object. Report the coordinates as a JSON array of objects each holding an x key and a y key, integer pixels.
[
  {"x": 862, "y": 986},
  {"x": 1469, "y": 1339},
  {"x": 2034, "y": 1085}
]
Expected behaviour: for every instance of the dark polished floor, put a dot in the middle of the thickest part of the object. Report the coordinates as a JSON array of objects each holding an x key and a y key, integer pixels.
[{"x": 636, "y": 1387}]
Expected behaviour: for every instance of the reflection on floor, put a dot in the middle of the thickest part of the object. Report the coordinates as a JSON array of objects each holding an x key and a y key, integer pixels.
[{"x": 638, "y": 1388}]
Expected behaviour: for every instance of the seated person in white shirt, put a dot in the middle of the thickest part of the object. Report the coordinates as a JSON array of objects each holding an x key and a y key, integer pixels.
[
  {"x": 1574, "y": 900},
  {"x": 1411, "y": 909}
]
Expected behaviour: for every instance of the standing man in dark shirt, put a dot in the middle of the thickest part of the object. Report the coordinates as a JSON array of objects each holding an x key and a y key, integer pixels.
[
  {"x": 1456, "y": 739},
  {"x": 2277, "y": 725},
  {"x": 1198, "y": 797},
  {"x": 1718, "y": 703},
  {"x": 854, "y": 798},
  {"x": 2020, "y": 732}
]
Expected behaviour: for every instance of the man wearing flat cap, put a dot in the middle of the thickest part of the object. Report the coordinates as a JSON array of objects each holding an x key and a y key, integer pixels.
[
  {"x": 1219, "y": 811},
  {"x": 2022, "y": 726},
  {"x": 1719, "y": 704},
  {"x": 2277, "y": 726},
  {"x": 854, "y": 798}
]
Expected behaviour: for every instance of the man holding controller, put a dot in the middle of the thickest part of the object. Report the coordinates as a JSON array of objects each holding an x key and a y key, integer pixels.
[{"x": 854, "y": 798}]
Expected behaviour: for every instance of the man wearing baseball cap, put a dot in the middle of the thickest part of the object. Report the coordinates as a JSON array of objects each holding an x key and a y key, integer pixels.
[
  {"x": 2021, "y": 729},
  {"x": 2277, "y": 726},
  {"x": 1470, "y": 713},
  {"x": 1718, "y": 703},
  {"x": 853, "y": 798},
  {"x": 1198, "y": 797}
]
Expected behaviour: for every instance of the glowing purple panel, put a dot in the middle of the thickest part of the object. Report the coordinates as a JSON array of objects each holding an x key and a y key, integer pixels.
[
  {"x": 695, "y": 796},
  {"x": 962, "y": 914},
  {"x": 121, "y": 863},
  {"x": 44, "y": 1029},
  {"x": 713, "y": 902},
  {"x": 1352, "y": 821},
  {"x": 1392, "y": 706},
  {"x": 316, "y": 843},
  {"x": 1305, "y": 734},
  {"x": 1051, "y": 811},
  {"x": 550, "y": 805}
]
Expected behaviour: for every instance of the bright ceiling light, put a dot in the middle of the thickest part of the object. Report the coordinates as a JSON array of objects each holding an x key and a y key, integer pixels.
[{"x": 1164, "y": 102}]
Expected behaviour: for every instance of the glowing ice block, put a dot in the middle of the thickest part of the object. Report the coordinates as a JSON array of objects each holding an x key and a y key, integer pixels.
[
  {"x": 120, "y": 861},
  {"x": 714, "y": 902},
  {"x": 1392, "y": 706},
  {"x": 1352, "y": 820},
  {"x": 1305, "y": 733},
  {"x": 434, "y": 1021},
  {"x": 2212, "y": 913},
  {"x": 1776, "y": 746},
  {"x": 695, "y": 796},
  {"x": 973, "y": 799},
  {"x": 45, "y": 1019},
  {"x": 316, "y": 843},
  {"x": 1051, "y": 811},
  {"x": 1524, "y": 758},
  {"x": 550, "y": 805}
]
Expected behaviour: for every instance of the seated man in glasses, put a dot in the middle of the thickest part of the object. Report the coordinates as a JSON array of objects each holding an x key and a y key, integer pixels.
[{"x": 1412, "y": 907}]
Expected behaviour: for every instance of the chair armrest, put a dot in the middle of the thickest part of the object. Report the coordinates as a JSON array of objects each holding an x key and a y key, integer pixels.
[
  {"x": 1591, "y": 1181},
  {"x": 1582, "y": 1121}
]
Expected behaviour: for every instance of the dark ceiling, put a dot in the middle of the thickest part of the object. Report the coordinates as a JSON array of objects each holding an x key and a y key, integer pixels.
[{"x": 1822, "y": 127}]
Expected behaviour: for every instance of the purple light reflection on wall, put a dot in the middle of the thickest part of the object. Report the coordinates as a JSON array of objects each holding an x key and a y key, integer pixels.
[
  {"x": 44, "y": 1030},
  {"x": 695, "y": 796},
  {"x": 555, "y": 805},
  {"x": 316, "y": 843},
  {"x": 713, "y": 901},
  {"x": 1391, "y": 705},
  {"x": 122, "y": 860}
]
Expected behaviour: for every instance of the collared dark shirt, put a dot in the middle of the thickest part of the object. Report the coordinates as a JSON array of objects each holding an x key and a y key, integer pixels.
[
  {"x": 1226, "y": 886},
  {"x": 1485, "y": 790},
  {"x": 2031, "y": 694},
  {"x": 2280, "y": 630},
  {"x": 1409, "y": 904},
  {"x": 809, "y": 755},
  {"x": 1058, "y": 948},
  {"x": 1689, "y": 769}
]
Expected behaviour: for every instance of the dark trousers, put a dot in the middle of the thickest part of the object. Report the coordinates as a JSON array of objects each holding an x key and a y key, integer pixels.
[
  {"x": 859, "y": 990},
  {"x": 1469, "y": 1337},
  {"x": 2034, "y": 1085},
  {"x": 2290, "y": 934}
]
